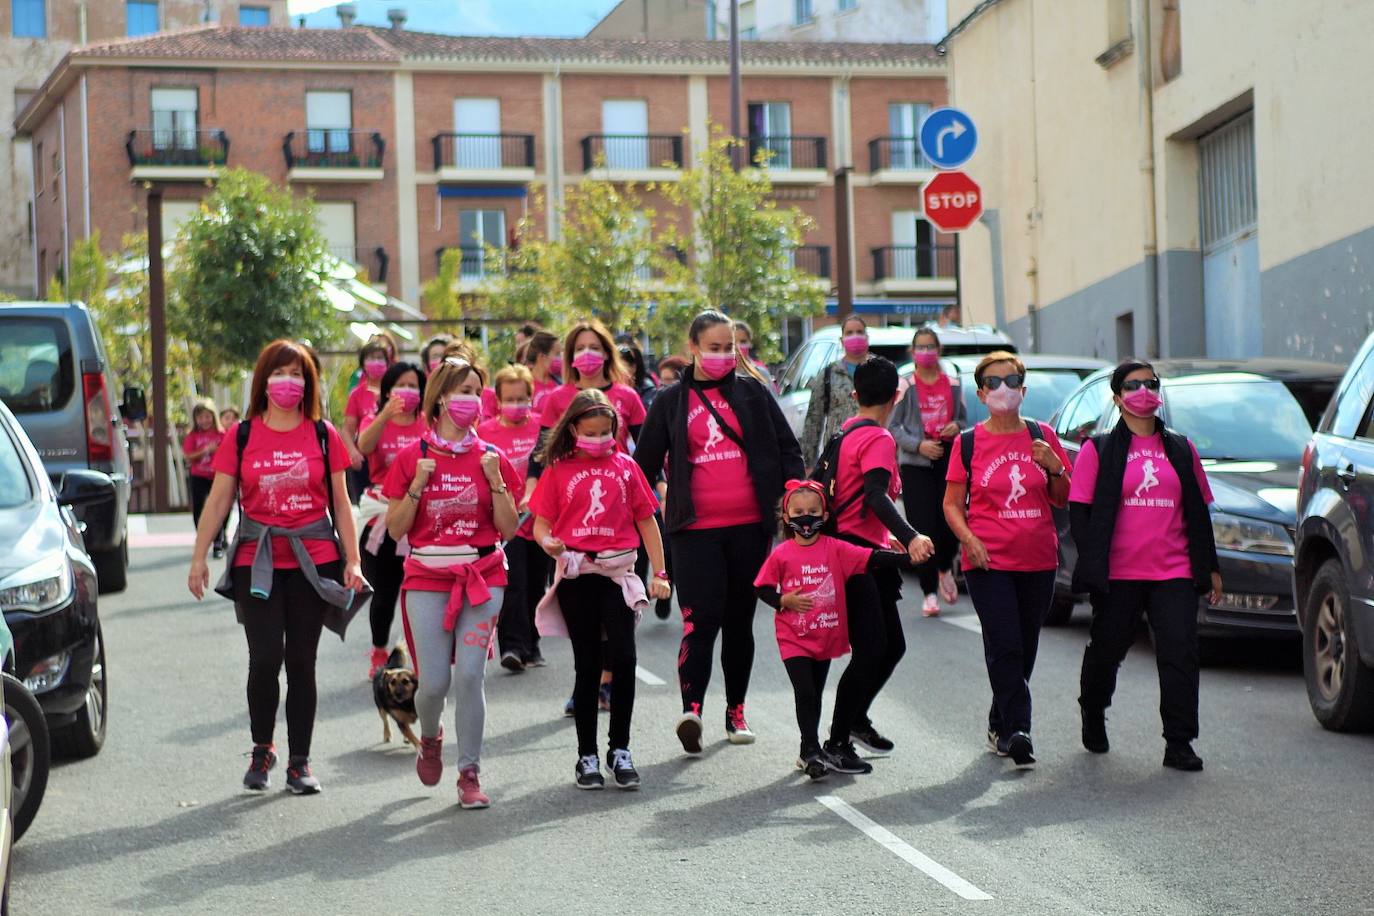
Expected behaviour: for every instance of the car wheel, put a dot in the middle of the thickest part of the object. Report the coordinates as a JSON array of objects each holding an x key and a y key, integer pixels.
[
  {"x": 112, "y": 568},
  {"x": 30, "y": 755},
  {"x": 1339, "y": 687},
  {"x": 1061, "y": 611},
  {"x": 86, "y": 736}
]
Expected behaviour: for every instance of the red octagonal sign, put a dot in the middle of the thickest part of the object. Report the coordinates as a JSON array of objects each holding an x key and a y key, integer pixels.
[{"x": 952, "y": 201}]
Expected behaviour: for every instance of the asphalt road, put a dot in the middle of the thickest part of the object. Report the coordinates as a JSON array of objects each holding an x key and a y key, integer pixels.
[{"x": 1278, "y": 822}]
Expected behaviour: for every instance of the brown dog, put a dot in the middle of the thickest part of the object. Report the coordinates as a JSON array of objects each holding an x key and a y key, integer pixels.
[{"x": 393, "y": 690}]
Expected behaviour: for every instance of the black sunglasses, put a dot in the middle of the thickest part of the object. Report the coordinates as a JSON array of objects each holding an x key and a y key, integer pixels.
[
  {"x": 1137, "y": 383},
  {"x": 1013, "y": 380}
]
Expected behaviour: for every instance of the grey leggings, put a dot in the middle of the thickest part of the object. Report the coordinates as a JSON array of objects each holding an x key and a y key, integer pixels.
[{"x": 459, "y": 658}]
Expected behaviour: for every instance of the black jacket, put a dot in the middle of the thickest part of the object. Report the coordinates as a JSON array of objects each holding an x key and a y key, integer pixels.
[
  {"x": 1093, "y": 525},
  {"x": 770, "y": 447}
]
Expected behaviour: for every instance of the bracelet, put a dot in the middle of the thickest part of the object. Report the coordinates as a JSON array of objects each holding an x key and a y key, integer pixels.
[
  {"x": 501, "y": 492},
  {"x": 414, "y": 496},
  {"x": 1060, "y": 474},
  {"x": 662, "y": 574}
]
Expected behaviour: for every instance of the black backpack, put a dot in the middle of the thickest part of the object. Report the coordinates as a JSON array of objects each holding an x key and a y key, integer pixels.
[
  {"x": 966, "y": 452},
  {"x": 827, "y": 471}
]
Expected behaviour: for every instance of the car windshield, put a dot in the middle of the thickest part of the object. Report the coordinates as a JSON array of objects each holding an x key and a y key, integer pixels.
[
  {"x": 1242, "y": 421},
  {"x": 14, "y": 483},
  {"x": 1046, "y": 389}
]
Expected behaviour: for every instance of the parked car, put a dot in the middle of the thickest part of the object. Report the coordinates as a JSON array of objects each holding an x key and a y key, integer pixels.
[
  {"x": 1333, "y": 570},
  {"x": 24, "y": 761},
  {"x": 48, "y": 591},
  {"x": 823, "y": 348},
  {"x": 1249, "y": 421},
  {"x": 54, "y": 376}
]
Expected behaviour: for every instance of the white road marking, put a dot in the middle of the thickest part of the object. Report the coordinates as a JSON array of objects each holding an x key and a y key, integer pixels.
[
  {"x": 648, "y": 677},
  {"x": 898, "y": 847},
  {"x": 964, "y": 622}
]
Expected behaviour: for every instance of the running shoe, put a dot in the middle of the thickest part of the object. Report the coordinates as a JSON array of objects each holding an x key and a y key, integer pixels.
[
  {"x": 931, "y": 607},
  {"x": 218, "y": 551},
  {"x": 949, "y": 589},
  {"x": 568, "y": 711},
  {"x": 264, "y": 759},
  {"x": 995, "y": 744},
  {"x": 588, "y": 773},
  {"x": 813, "y": 763},
  {"x": 535, "y": 660},
  {"x": 1180, "y": 756},
  {"x": 622, "y": 768},
  {"x": 299, "y": 779},
  {"x": 663, "y": 608},
  {"x": 429, "y": 765},
  {"x": 1095, "y": 731},
  {"x": 868, "y": 737},
  {"x": 689, "y": 733},
  {"x": 470, "y": 794},
  {"x": 1021, "y": 751},
  {"x": 736, "y": 728},
  {"x": 603, "y": 698},
  {"x": 511, "y": 661},
  {"x": 376, "y": 661},
  {"x": 843, "y": 758}
]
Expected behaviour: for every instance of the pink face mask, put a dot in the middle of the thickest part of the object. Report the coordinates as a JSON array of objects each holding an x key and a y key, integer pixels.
[
  {"x": 286, "y": 391},
  {"x": 516, "y": 413},
  {"x": 589, "y": 362},
  {"x": 463, "y": 409},
  {"x": 1142, "y": 402},
  {"x": 556, "y": 365},
  {"x": 717, "y": 365},
  {"x": 1005, "y": 401},
  {"x": 856, "y": 344},
  {"x": 434, "y": 364},
  {"x": 744, "y": 349},
  {"x": 409, "y": 398},
  {"x": 375, "y": 368},
  {"x": 596, "y": 446},
  {"x": 927, "y": 359}
]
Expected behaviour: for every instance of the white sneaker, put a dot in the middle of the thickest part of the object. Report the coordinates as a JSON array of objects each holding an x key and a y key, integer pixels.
[
  {"x": 689, "y": 733},
  {"x": 949, "y": 589},
  {"x": 931, "y": 607}
]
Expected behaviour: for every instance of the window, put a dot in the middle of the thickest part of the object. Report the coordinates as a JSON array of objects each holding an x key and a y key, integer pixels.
[
  {"x": 770, "y": 128},
  {"x": 712, "y": 20},
  {"x": 478, "y": 229},
  {"x": 175, "y": 116},
  {"x": 847, "y": 5},
  {"x": 336, "y": 222},
  {"x": 30, "y": 18},
  {"x": 1080, "y": 421},
  {"x": 141, "y": 17},
  {"x": 36, "y": 372},
  {"x": 913, "y": 246},
  {"x": 1118, "y": 21},
  {"x": 625, "y": 122},
  {"x": 477, "y": 122},
  {"x": 257, "y": 16},
  {"x": 174, "y": 214},
  {"x": 15, "y": 488},
  {"x": 328, "y": 123},
  {"x": 801, "y": 12},
  {"x": 1355, "y": 395},
  {"x": 904, "y": 120}
]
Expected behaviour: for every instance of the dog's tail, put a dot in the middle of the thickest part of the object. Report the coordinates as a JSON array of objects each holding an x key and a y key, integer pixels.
[{"x": 399, "y": 657}]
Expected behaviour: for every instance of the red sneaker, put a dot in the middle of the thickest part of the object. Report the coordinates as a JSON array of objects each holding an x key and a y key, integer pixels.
[
  {"x": 429, "y": 766},
  {"x": 379, "y": 657},
  {"x": 470, "y": 794}
]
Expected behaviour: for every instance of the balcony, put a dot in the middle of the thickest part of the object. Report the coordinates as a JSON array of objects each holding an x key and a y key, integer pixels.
[
  {"x": 915, "y": 269},
  {"x": 813, "y": 260},
  {"x": 791, "y": 160},
  {"x": 632, "y": 157},
  {"x": 175, "y": 154},
  {"x": 484, "y": 158},
  {"x": 320, "y": 155},
  {"x": 477, "y": 266},
  {"x": 898, "y": 161}
]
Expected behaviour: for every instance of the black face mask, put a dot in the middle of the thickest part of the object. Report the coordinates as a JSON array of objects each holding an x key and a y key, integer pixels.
[{"x": 806, "y": 525}]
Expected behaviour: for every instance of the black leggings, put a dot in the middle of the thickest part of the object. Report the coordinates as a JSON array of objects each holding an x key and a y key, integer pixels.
[
  {"x": 384, "y": 573},
  {"x": 877, "y": 643},
  {"x": 527, "y": 568},
  {"x": 200, "y": 492},
  {"x": 285, "y": 627},
  {"x": 923, "y": 497},
  {"x": 592, "y": 605},
  {"x": 808, "y": 683},
  {"x": 715, "y": 589}
]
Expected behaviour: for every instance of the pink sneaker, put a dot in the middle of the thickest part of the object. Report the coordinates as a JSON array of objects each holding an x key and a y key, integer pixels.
[
  {"x": 470, "y": 794},
  {"x": 931, "y": 608},
  {"x": 379, "y": 657},
  {"x": 949, "y": 589},
  {"x": 429, "y": 766}
]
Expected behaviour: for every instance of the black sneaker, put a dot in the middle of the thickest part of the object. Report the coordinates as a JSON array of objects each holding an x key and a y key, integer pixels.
[
  {"x": 1181, "y": 757},
  {"x": 569, "y": 709},
  {"x": 1095, "y": 731},
  {"x": 866, "y": 736},
  {"x": 535, "y": 660},
  {"x": 299, "y": 779},
  {"x": 995, "y": 744},
  {"x": 218, "y": 551},
  {"x": 813, "y": 763},
  {"x": 264, "y": 759},
  {"x": 622, "y": 768},
  {"x": 663, "y": 608},
  {"x": 588, "y": 772},
  {"x": 1021, "y": 751},
  {"x": 511, "y": 661},
  {"x": 737, "y": 730},
  {"x": 842, "y": 758}
]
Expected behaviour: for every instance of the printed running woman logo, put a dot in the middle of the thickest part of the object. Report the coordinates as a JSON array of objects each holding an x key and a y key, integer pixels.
[
  {"x": 597, "y": 507},
  {"x": 1017, "y": 490},
  {"x": 1150, "y": 481}
]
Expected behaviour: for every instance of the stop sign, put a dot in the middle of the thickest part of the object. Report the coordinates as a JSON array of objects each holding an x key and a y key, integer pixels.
[{"x": 952, "y": 201}]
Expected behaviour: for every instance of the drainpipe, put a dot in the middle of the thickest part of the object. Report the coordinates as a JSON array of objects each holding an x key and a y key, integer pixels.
[{"x": 1145, "y": 70}]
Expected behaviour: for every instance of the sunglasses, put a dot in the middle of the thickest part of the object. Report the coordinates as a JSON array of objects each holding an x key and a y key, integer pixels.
[
  {"x": 1012, "y": 380},
  {"x": 1136, "y": 384}
]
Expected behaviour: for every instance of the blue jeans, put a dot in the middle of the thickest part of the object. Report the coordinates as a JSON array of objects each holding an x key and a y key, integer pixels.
[{"x": 1011, "y": 607}]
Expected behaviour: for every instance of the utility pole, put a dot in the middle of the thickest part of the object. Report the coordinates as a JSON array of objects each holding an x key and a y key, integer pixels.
[
  {"x": 157, "y": 326},
  {"x": 736, "y": 128},
  {"x": 844, "y": 267}
]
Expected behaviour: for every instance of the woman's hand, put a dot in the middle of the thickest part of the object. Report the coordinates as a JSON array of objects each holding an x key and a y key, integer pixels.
[
  {"x": 392, "y": 408},
  {"x": 353, "y": 577},
  {"x": 199, "y": 578},
  {"x": 1044, "y": 456},
  {"x": 950, "y": 431},
  {"x": 660, "y": 589},
  {"x": 977, "y": 553},
  {"x": 1214, "y": 596},
  {"x": 920, "y": 549},
  {"x": 929, "y": 448},
  {"x": 424, "y": 468},
  {"x": 796, "y": 601},
  {"x": 491, "y": 466},
  {"x": 553, "y": 546}
]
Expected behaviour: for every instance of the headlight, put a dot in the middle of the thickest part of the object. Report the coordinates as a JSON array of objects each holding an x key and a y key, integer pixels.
[
  {"x": 41, "y": 587},
  {"x": 1249, "y": 535}
]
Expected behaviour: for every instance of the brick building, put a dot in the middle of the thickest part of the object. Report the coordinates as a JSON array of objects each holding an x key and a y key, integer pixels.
[{"x": 414, "y": 142}]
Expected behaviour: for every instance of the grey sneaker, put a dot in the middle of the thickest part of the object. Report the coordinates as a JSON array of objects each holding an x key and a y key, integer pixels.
[
  {"x": 299, "y": 779},
  {"x": 264, "y": 759}
]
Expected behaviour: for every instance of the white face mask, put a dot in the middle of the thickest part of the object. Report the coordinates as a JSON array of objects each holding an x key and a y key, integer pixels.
[{"x": 1005, "y": 400}]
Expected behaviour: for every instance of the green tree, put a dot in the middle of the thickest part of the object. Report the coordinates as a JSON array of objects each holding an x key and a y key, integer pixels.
[{"x": 247, "y": 263}]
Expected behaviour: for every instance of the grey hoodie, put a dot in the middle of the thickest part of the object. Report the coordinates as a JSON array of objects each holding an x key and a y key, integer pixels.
[{"x": 906, "y": 426}]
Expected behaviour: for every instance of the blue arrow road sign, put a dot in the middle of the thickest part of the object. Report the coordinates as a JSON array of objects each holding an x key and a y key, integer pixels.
[{"x": 948, "y": 138}]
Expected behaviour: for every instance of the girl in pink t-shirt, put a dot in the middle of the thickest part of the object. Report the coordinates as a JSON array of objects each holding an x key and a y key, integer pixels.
[
  {"x": 804, "y": 579},
  {"x": 199, "y": 447},
  {"x": 592, "y": 509}
]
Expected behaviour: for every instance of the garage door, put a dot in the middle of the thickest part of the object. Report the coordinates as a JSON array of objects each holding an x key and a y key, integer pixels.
[{"x": 1230, "y": 240}]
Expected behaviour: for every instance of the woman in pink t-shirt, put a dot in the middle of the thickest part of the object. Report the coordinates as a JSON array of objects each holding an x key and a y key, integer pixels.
[
  {"x": 396, "y": 426},
  {"x": 999, "y": 506},
  {"x": 1138, "y": 510},
  {"x": 453, "y": 497},
  {"x": 374, "y": 358},
  {"x": 199, "y": 447},
  {"x": 285, "y": 573}
]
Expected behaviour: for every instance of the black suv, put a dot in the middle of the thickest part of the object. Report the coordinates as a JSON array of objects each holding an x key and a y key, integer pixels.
[
  {"x": 1333, "y": 569},
  {"x": 55, "y": 379}
]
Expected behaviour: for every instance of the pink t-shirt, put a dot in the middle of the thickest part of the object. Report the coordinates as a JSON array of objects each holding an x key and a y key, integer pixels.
[
  {"x": 283, "y": 484},
  {"x": 491, "y": 408},
  {"x": 542, "y": 390},
  {"x": 362, "y": 403},
  {"x": 623, "y": 398},
  {"x": 515, "y": 442},
  {"x": 819, "y": 572},
  {"x": 195, "y": 440},
  {"x": 867, "y": 449},
  {"x": 592, "y": 504},
  {"x": 1150, "y": 540},
  {"x": 456, "y": 504},
  {"x": 937, "y": 405},
  {"x": 722, "y": 489},
  {"x": 1009, "y": 507},
  {"x": 395, "y": 438}
]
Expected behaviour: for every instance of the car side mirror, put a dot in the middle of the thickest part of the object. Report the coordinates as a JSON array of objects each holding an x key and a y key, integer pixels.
[
  {"x": 83, "y": 488},
  {"x": 135, "y": 406}
]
